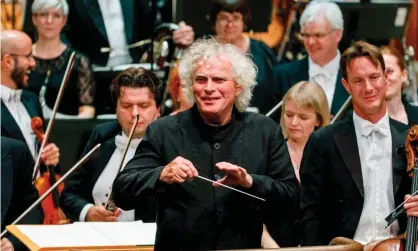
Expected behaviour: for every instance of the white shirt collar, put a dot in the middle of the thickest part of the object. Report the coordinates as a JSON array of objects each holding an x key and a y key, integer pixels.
[
  {"x": 329, "y": 70},
  {"x": 366, "y": 127},
  {"x": 9, "y": 94}
]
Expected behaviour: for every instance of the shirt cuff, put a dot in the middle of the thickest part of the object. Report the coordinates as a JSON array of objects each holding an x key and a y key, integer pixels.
[{"x": 84, "y": 211}]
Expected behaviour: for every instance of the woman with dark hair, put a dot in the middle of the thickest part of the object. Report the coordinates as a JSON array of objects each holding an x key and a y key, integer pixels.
[
  {"x": 230, "y": 19},
  {"x": 398, "y": 108}
]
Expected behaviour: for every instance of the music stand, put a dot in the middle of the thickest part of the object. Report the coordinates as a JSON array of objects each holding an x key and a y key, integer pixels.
[
  {"x": 376, "y": 21},
  {"x": 196, "y": 14}
]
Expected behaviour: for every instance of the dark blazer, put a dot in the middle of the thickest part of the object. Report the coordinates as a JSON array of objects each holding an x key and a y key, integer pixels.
[
  {"x": 17, "y": 191},
  {"x": 332, "y": 191},
  {"x": 86, "y": 30},
  {"x": 9, "y": 127},
  {"x": 286, "y": 75},
  {"x": 412, "y": 113},
  {"x": 195, "y": 215},
  {"x": 79, "y": 186}
]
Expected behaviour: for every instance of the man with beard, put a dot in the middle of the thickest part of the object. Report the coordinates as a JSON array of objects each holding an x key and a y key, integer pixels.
[{"x": 19, "y": 106}]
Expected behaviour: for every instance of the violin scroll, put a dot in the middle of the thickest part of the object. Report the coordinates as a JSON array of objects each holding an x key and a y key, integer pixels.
[
  {"x": 37, "y": 127},
  {"x": 411, "y": 145}
]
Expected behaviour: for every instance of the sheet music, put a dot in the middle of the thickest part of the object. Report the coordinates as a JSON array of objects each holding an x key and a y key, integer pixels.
[
  {"x": 65, "y": 235},
  {"x": 85, "y": 234}
]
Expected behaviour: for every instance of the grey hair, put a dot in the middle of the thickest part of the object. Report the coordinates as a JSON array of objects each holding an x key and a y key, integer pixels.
[
  {"x": 320, "y": 9},
  {"x": 41, "y": 5},
  {"x": 243, "y": 69}
]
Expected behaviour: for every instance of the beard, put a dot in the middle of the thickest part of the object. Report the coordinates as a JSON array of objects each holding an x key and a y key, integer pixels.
[{"x": 18, "y": 76}]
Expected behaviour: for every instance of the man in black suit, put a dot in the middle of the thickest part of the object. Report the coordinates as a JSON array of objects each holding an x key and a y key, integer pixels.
[
  {"x": 136, "y": 91},
  {"x": 95, "y": 24},
  {"x": 351, "y": 174},
  {"x": 17, "y": 191},
  {"x": 322, "y": 29},
  {"x": 19, "y": 106}
]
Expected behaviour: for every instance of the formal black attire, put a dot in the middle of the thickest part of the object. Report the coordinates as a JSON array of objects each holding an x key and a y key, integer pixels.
[
  {"x": 411, "y": 112},
  {"x": 17, "y": 191},
  {"x": 9, "y": 127},
  {"x": 264, "y": 58},
  {"x": 332, "y": 190},
  {"x": 287, "y": 75},
  {"x": 79, "y": 186},
  {"x": 86, "y": 31},
  {"x": 195, "y": 215},
  {"x": 79, "y": 90}
]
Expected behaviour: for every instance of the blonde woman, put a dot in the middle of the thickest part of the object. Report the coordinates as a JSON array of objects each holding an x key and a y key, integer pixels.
[{"x": 305, "y": 109}]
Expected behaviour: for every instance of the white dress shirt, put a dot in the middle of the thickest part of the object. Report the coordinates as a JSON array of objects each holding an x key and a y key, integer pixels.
[
  {"x": 326, "y": 76},
  {"x": 115, "y": 30},
  {"x": 375, "y": 150},
  {"x": 11, "y": 98},
  {"x": 102, "y": 188}
]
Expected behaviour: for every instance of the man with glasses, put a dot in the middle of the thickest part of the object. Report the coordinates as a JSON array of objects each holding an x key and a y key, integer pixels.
[
  {"x": 19, "y": 106},
  {"x": 321, "y": 29}
]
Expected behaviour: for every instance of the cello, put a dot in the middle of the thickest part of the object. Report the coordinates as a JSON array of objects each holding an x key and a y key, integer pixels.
[
  {"x": 50, "y": 205},
  {"x": 408, "y": 243}
]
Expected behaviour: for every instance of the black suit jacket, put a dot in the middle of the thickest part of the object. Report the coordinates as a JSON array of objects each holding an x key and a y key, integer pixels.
[
  {"x": 86, "y": 30},
  {"x": 332, "y": 185},
  {"x": 195, "y": 215},
  {"x": 17, "y": 191},
  {"x": 412, "y": 113},
  {"x": 79, "y": 186},
  {"x": 9, "y": 127},
  {"x": 287, "y": 75}
]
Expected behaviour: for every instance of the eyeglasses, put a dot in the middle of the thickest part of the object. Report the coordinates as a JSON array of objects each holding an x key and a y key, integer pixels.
[
  {"x": 224, "y": 19},
  {"x": 46, "y": 15},
  {"x": 317, "y": 36},
  {"x": 29, "y": 57}
]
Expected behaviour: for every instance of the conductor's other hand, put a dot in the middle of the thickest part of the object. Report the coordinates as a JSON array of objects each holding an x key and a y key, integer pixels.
[{"x": 178, "y": 171}]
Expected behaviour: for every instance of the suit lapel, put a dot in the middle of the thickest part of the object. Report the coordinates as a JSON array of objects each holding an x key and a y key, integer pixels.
[
  {"x": 30, "y": 103},
  {"x": 398, "y": 164},
  {"x": 346, "y": 141},
  {"x": 93, "y": 8},
  {"x": 303, "y": 73},
  {"x": 9, "y": 125},
  {"x": 340, "y": 95},
  {"x": 106, "y": 152},
  {"x": 127, "y": 7},
  {"x": 6, "y": 183}
]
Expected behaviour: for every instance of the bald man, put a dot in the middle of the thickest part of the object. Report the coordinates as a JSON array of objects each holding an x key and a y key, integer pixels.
[{"x": 19, "y": 106}]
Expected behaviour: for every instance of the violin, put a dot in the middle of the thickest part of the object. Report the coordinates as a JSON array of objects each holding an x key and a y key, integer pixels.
[
  {"x": 50, "y": 205},
  {"x": 407, "y": 242}
]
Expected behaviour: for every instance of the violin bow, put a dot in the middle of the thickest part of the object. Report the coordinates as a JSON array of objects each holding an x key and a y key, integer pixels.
[
  {"x": 110, "y": 205},
  {"x": 64, "y": 82},
  {"x": 342, "y": 110},
  {"x": 79, "y": 163}
]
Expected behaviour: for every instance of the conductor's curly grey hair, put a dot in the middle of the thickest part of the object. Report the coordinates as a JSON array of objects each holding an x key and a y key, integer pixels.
[{"x": 208, "y": 49}]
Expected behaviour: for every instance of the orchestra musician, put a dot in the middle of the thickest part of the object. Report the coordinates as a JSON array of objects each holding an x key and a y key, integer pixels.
[
  {"x": 398, "y": 108},
  {"x": 215, "y": 139},
  {"x": 352, "y": 175},
  {"x": 135, "y": 91},
  {"x": 305, "y": 109},
  {"x": 52, "y": 56},
  {"x": 321, "y": 29},
  {"x": 18, "y": 106},
  {"x": 17, "y": 190},
  {"x": 115, "y": 24},
  {"x": 230, "y": 20}
]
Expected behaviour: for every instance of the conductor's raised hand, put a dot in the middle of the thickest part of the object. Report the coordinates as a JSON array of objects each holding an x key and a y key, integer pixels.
[
  {"x": 235, "y": 175},
  {"x": 178, "y": 171}
]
